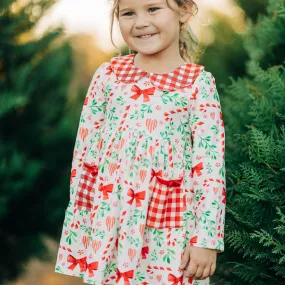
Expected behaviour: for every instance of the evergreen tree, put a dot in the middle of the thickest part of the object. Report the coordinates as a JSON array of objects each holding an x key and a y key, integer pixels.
[
  {"x": 33, "y": 134},
  {"x": 254, "y": 112}
]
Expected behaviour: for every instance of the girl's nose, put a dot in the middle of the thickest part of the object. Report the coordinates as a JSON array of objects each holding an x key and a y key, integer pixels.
[{"x": 141, "y": 22}]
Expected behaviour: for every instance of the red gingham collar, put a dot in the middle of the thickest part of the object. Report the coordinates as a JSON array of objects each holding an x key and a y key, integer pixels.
[{"x": 181, "y": 77}]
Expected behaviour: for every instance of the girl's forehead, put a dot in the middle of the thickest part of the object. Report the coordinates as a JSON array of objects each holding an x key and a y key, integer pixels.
[{"x": 140, "y": 3}]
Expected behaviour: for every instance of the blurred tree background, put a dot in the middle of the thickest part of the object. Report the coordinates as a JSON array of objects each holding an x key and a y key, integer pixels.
[
  {"x": 255, "y": 135},
  {"x": 39, "y": 110},
  {"x": 34, "y": 82},
  {"x": 43, "y": 82}
]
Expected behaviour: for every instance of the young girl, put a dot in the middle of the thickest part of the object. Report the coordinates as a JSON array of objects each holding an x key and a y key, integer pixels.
[{"x": 147, "y": 197}]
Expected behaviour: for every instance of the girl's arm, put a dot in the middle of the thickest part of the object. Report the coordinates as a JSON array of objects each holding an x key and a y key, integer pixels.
[
  {"x": 208, "y": 164},
  {"x": 91, "y": 120}
]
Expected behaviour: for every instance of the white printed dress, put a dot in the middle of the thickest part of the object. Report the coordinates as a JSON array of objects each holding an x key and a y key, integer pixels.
[{"x": 147, "y": 177}]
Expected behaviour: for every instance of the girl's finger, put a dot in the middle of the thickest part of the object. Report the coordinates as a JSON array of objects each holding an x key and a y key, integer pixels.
[
  {"x": 191, "y": 269},
  {"x": 213, "y": 268},
  {"x": 206, "y": 272},
  {"x": 199, "y": 272},
  {"x": 185, "y": 259}
]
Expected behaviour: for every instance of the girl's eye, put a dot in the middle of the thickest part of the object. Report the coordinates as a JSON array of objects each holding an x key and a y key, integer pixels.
[
  {"x": 128, "y": 13},
  {"x": 154, "y": 8}
]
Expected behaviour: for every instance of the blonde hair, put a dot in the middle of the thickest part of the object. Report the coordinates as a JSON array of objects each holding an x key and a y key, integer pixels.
[{"x": 188, "y": 41}]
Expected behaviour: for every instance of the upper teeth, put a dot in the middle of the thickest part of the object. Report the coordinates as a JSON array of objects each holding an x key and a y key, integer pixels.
[{"x": 145, "y": 36}]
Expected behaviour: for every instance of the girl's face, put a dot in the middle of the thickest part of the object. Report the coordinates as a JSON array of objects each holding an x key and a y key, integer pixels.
[{"x": 144, "y": 17}]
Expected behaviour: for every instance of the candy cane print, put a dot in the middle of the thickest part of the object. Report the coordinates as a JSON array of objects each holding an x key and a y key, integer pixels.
[
  {"x": 119, "y": 129},
  {"x": 171, "y": 112},
  {"x": 65, "y": 248},
  {"x": 159, "y": 268},
  {"x": 106, "y": 250},
  {"x": 170, "y": 154}
]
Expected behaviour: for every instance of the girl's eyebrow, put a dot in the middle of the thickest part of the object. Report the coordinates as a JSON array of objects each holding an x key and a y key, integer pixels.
[{"x": 150, "y": 4}]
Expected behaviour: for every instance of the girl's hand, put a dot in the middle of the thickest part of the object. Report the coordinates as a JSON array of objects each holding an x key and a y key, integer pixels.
[{"x": 202, "y": 262}]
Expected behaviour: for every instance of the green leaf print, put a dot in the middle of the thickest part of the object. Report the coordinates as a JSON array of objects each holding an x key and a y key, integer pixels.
[
  {"x": 222, "y": 170},
  {"x": 86, "y": 229},
  {"x": 169, "y": 255},
  {"x": 138, "y": 215},
  {"x": 158, "y": 237},
  {"x": 220, "y": 245},
  {"x": 72, "y": 237},
  {"x": 120, "y": 100},
  {"x": 135, "y": 116},
  {"x": 182, "y": 127},
  {"x": 98, "y": 233},
  {"x": 146, "y": 108},
  {"x": 216, "y": 95},
  {"x": 83, "y": 213},
  {"x": 203, "y": 243},
  {"x": 77, "y": 144},
  {"x": 82, "y": 120},
  {"x": 189, "y": 215},
  {"x": 96, "y": 107},
  {"x": 198, "y": 194},
  {"x": 194, "y": 118},
  {"x": 111, "y": 114},
  {"x": 203, "y": 143},
  {"x": 68, "y": 216},
  {"x": 210, "y": 225},
  {"x": 145, "y": 162},
  {"x": 139, "y": 276},
  {"x": 90, "y": 281},
  {"x": 205, "y": 93},
  {"x": 154, "y": 256},
  {"x": 109, "y": 268},
  {"x": 216, "y": 205},
  {"x": 209, "y": 168},
  {"x": 167, "y": 97},
  {"x": 215, "y": 129},
  {"x": 135, "y": 241},
  {"x": 58, "y": 269},
  {"x": 104, "y": 207},
  {"x": 108, "y": 89},
  {"x": 184, "y": 101}
]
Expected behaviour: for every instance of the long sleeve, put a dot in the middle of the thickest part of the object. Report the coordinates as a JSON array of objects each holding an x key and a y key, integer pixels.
[
  {"x": 208, "y": 164},
  {"x": 91, "y": 120}
]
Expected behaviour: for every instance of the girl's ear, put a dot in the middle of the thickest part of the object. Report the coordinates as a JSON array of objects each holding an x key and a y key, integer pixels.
[{"x": 185, "y": 16}]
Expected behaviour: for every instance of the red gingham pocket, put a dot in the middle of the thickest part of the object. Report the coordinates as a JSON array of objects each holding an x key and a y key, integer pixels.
[
  {"x": 167, "y": 203},
  {"x": 85, "y": 193}
]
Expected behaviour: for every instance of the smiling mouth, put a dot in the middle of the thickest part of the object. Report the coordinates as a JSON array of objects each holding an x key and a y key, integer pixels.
[{"x": 146, "y": 36}]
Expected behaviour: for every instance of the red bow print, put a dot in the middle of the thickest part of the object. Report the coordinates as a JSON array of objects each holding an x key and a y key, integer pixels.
[
  {"x": 92, "y": 266},
  {"x": 145, "y": 92},
  {"x": 193, "y": 95},
  {"x": 153, "y": 173},
  {"x": 74, "y": 262},
  {"x": 92, "y": 168},
  {"x": 137, "y": 196},
  {"x": 174, "y": 279},
  {"x": 168, "y": 183},
  {"x": 105, "y": 190},
  {"x": 198, "y": 169},
  {"x": 145, "y": 251},
  {"x": 193, "y": 240},
  {"x": 126, "y": 275}
]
